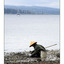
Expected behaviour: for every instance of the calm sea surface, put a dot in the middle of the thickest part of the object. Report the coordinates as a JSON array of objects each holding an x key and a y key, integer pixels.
[{"x": 21, "y": 30}]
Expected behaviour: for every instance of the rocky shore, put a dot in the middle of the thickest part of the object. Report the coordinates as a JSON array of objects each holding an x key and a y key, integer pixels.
[{"x": 53, "y": 57}]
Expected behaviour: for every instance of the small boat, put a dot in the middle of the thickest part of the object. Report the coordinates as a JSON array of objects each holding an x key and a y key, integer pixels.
[{"x": 18, "y": 12}]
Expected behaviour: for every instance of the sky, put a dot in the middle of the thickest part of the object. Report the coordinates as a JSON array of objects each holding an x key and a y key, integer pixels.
[{"x": 45, "y": 3}]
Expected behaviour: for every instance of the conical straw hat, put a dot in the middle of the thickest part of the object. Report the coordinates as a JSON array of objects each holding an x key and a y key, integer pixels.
[{"x": 32, "y": 42}]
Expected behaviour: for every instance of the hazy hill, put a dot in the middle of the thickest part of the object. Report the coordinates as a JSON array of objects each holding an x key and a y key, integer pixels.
[{"x": 30, "y": 10}]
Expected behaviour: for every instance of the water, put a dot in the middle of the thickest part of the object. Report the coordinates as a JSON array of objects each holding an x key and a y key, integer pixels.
[{"x": 21, "y": 30}]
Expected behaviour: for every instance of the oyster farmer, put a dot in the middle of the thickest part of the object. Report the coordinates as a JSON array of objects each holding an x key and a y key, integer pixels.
[{"x": 38, "y": 52}]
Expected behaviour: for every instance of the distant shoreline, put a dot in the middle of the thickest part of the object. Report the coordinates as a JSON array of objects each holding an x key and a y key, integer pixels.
[{"x": 35, "y": 10}]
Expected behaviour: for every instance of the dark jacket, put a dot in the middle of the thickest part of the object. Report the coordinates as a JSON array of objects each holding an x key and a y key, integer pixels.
[{"x": 36, "y": 51}]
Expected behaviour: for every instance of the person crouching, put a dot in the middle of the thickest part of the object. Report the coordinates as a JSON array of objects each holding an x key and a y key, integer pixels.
[{"x": 38, "y": 52}]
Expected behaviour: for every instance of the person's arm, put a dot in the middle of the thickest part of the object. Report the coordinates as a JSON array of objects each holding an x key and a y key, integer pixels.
[
  {"x": 35, "y": 52},
  {"x": 32, "y": 51}
]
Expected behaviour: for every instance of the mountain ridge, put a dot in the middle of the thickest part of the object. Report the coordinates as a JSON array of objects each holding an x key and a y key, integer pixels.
[{"x": 31, "y": 10}]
